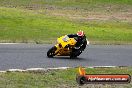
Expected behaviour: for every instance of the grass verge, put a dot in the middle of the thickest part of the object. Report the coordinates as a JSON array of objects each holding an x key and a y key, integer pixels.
[
  {"x": 18, "y": 25},
  {"x": 42, "y": 21},
  {"x": 58, "y": 78}
]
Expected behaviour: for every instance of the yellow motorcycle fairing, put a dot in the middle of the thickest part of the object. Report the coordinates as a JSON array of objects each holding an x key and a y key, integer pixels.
[{"x": 64, "y": 45}]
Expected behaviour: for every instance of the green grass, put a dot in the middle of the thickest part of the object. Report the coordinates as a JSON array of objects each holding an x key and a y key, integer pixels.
[
  {"x": 18, "y": 25},
  {"x": 42, "y": 21},
  {"x": 65, "y": 3},
  {"x": 57, "y": 78},
  {"x": 88, "y": 5}
]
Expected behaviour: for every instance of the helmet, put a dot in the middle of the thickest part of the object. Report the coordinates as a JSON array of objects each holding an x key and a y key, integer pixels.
[{"x": 80, "y": 33}]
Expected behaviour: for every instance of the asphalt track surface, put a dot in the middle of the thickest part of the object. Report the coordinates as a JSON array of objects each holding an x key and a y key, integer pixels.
[{"x": 23, "y": 56}]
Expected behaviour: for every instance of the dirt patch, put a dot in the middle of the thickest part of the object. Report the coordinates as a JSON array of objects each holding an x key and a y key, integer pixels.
[{"x": 119, "y": 16}]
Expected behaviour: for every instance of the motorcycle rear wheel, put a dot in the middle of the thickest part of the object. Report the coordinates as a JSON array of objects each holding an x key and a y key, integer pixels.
[
  {"x": 72, "y": 56},
  {"x": 75, "y": 53},
  {"x": 51, "y": 52}
]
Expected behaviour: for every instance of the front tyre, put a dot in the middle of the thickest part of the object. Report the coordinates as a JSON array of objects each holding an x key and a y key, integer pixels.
[{"x": 51, "y": 52}]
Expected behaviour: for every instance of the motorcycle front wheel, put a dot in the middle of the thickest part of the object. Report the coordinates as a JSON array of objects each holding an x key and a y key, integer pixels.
[{"x": 51, "y": 52}]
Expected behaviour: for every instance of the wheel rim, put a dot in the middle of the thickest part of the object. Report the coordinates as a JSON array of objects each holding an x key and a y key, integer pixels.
[{"x": 51, "y": 54}]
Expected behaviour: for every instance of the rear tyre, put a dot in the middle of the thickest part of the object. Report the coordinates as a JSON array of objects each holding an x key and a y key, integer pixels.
[
  {"x": 75, "y": 53},
  {"x": 51, "y": 52},
  {"x": 79, "y": 52},
  {"x": 72, "y": 56}
]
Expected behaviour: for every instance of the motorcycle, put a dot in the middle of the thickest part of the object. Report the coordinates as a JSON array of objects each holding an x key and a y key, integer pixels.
[{"x": 64, "y": 47}]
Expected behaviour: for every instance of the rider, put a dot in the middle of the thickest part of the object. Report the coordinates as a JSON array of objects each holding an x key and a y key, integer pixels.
[{"x": 81, "y": 40}]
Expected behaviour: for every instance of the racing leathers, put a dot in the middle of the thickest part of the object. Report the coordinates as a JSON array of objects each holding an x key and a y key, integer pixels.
[{"x": 81, "y": 42}]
